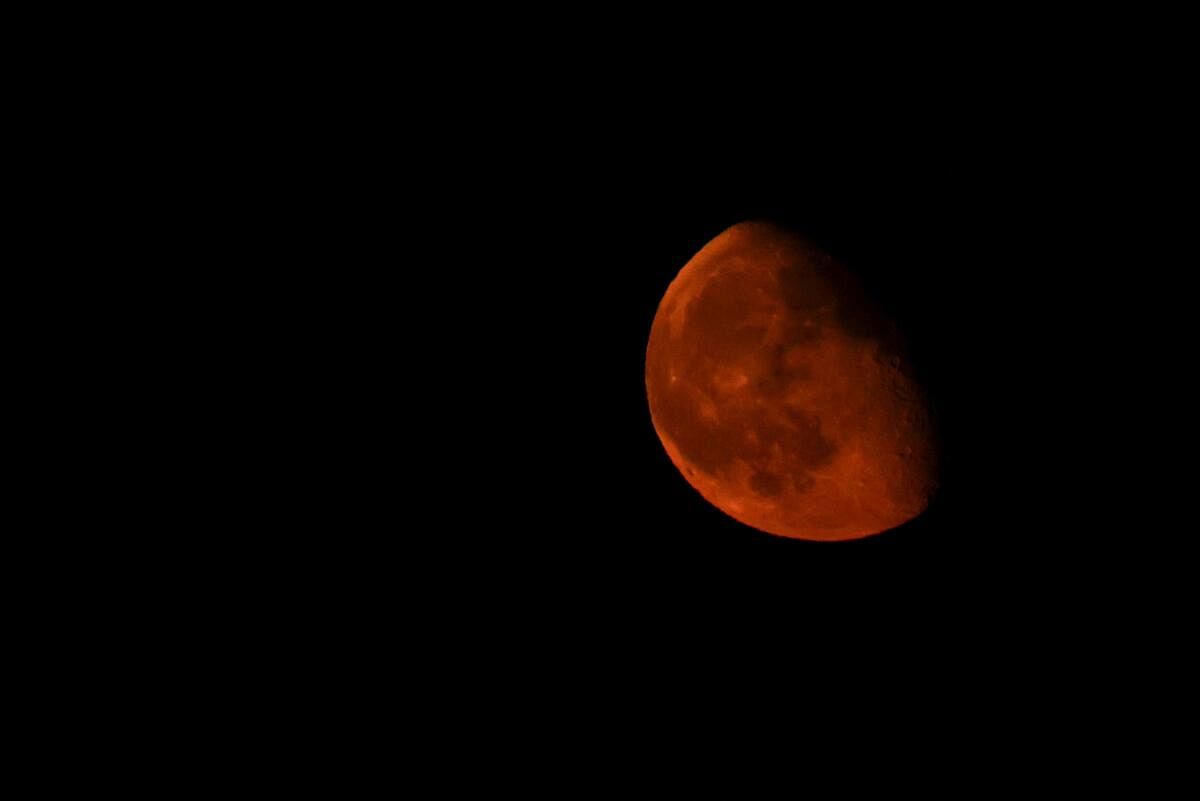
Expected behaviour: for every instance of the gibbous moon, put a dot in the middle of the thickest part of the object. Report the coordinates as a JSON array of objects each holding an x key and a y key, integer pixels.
[{"x": 783, "y": 396}]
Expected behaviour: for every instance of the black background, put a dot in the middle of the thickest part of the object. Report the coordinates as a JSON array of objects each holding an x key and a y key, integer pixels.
[{"x": 398, "y": 457}]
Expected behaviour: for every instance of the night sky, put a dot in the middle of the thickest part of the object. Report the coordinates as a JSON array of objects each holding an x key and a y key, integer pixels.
[{"x": 383, "y": 309}]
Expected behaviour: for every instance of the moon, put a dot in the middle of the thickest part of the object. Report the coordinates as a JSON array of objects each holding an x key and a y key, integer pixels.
[{"x": 783, "y": 395}]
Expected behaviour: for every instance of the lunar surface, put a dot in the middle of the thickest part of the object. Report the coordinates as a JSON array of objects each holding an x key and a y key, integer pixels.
[{"x": 783, "y": 396}]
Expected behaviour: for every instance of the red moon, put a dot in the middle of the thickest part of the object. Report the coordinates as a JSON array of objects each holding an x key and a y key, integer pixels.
[{"x": 783, "y": 396}]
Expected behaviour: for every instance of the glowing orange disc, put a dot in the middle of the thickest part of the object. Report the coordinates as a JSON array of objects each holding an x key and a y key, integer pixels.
[{"x": 783, "y": 396}]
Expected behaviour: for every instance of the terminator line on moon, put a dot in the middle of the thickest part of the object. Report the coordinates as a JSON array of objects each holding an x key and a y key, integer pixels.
[{"x": 783, "y": 396}]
